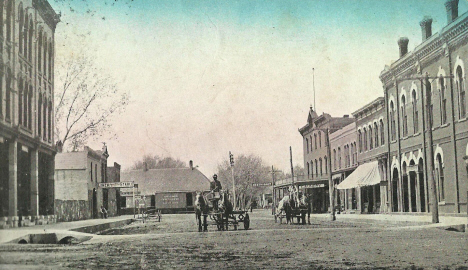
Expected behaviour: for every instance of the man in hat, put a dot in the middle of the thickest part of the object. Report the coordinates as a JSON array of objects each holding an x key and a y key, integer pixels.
[{"x": 215, "y": 186}]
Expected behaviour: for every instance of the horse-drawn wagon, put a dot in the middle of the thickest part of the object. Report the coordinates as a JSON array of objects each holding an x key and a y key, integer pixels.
[
  {"x": 292, "y": 206},
  {"x": 215, "y": 208}
]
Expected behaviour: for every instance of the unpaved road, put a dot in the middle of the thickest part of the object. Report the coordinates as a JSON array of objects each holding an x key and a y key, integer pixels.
[{"x": 175, "y": 244}]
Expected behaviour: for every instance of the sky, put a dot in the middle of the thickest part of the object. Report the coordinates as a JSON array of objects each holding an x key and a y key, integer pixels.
[{"x": 209, "y": 77}]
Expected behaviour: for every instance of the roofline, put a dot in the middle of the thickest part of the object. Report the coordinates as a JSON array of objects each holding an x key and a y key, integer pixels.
[{"x": 368, "y": 106}]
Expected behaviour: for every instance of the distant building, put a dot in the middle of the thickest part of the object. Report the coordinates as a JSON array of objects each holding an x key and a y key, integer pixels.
[
  {"x": 170, "y": 190},
  {"x": 26, "y": 112},
  {"x": 111, "y": 196},
  {"x": 77, "y": 178},
  {"x": 315, "y": 183}
]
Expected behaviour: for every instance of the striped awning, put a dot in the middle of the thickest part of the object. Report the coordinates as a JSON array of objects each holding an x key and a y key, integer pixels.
[{"x": 366, "y": 174}]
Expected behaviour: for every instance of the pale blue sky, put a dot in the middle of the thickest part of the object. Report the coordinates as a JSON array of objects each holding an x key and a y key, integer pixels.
[{"x": 209, "y": 77}]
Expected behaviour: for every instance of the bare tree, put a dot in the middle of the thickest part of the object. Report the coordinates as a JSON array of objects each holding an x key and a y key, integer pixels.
[
  {"x": 85, "y": 101},
  {"x": 248, "y": 170},
  {"x": 156, "y": 162}
]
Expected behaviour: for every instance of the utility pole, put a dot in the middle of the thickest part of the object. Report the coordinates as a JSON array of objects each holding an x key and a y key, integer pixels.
[
  {"x": 434, "y": 204},
  {"x": 292, "y": 168},
  {"x": 273, "y": 192},
  {"x": 231, "y": 161},
  {"x": 331, "y": 187}
]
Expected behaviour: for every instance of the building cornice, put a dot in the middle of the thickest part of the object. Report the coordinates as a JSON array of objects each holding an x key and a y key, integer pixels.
[{"x": 47, "y": 13}]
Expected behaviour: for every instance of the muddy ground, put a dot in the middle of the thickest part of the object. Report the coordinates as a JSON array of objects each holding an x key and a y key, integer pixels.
[{"x": 175, "y": 243}]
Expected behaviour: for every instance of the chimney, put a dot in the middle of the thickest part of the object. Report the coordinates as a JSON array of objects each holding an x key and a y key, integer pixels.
[
  {"x": 191, "y": 164},
  {"x": 145, "y": 166},
  {"x": 452, "y": 10},
  {"x": 403, "y": 44},
  {"x": 346, "y": 116},
  {"x": 59, "y": 145},
  {"x": 426, "y": 28}
]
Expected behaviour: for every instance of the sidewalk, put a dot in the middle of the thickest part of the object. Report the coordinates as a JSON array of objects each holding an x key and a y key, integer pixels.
[
  {"x": 72, "y": 228},
  {"x": 408, "y": 219}
]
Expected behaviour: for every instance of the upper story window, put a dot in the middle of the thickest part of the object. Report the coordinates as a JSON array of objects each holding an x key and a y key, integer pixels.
[
  {"x": 371, "y": 145},
  {"x": 443, "y": 101},
  {"x": 334, "y": 159},
  {"x": 461, "y": 93},
  {"x": 308, "y": 170},
  {"x": 365, "y": 139},
  {"x": 307, "y": 145},
  {"x": 310, "y": 143},
  {"x": 321, "y": 171},
  {"x": 404, "y": 117},
  {"x": 360, "y": 141},
  {"x": 326, "y": 164},
  {"x": 376, "y": 132},
  {"x": 431, "y": 106},
  {"x": 441, "y": 179},
  {"x": 339, "y": 157},
  {"x": 91, "y": 172},
  {"x": 415, "y": 113},
  {"x": 392, "y": 121},
  {"x": 315, "y": 141},
  {"x": 382, "y": 132},
  {"x": 320, "y": 139}
]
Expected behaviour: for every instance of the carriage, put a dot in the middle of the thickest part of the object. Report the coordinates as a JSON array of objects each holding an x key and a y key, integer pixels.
[
  {"x": 215, "y": 208},
  {"x": 292, "y": 206}
]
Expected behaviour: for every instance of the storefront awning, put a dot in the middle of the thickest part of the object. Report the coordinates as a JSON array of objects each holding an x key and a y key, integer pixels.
[{"x": 366, "y": 174}]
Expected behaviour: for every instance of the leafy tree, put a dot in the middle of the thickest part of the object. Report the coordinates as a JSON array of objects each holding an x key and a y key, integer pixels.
[
  {"x": 85, "y": 101},
  {"x": 247, "y": 171},
  {"x": 156, "y": 162}
]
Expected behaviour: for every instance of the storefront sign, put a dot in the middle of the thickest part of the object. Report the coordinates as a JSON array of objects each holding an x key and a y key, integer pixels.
[
  {"x": 313, "y": 186},
  {"x": 129, "y": 193},
  {"x": 116, "y": 185},
  {"x": 261, "y": 184},
  {"x": 170, "y": 199}
]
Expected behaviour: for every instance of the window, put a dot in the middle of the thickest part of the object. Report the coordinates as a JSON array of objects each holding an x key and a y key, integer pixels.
[
  {"x": 310, "y": 143},
  {"x": 39, "y": 49},
  {"x": 95, "y": 172},
  {"x": 415, "y": 113},
  {"x": 365, "y": 139},
  {"x": 44, "y": 114},
  {"x": 321, "y": 172},
  {"x": 308, "y": 170},
  {"x": 334, "y": 159},
  {"x": 307, "y": 144},
  {"x": 461, "y": 93},
  {"x": 49, "y": 122},
  {"x": 45, "y": 54},
  {"x": 9, "y": 9},
  {"x": 326, "y": 164},
  {"x": 25, "y": 105},
  {"x": 30, "y": 97},
  {"x": 352, "y": 154},
  {"x": 371, "y": 145},
  {"x": 20, "y": 101},
  {"x": 355, "y": 153},
  {"x": 8, "y": 95},
  {"x": 30, "y": 40},
  {"x": 39, "y": 116},
  {"x": 91, "y": 172},
  {"x": 392, "y": 121},
  {"x": 316, "y": 167},
  {"x": 376, "y": 132},
  {"x": 312, "y": 168},
  {"x": 431, "y": 106},
  {"x": 320, "y": 139},
  {"x": 441, "y": 178},
  {"x": 382, "y": 132},
  {"x": 360, "y": 141},
  {"x": 51, "y": 52},
  {"x": 20, "y": 27},
  {"x": 404, "y": 117},
  {"x": 25, "y": 36},
  {"x": 339, "y": 157},
  {"x": 443, "y": 101},
  {"x": 315, "y": 140}
]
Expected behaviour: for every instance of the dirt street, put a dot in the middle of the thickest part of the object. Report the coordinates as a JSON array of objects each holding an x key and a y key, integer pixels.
[{"x": 175, "y": 243}]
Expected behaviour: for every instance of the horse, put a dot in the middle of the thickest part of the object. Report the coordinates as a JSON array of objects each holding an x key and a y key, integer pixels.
[
  {"x": 225, "y": 209},
  {"x": 285, "y": 205},
  {"x": 201, "y": 208}
]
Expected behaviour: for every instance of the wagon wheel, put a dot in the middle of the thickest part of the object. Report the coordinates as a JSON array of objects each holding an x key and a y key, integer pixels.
[{"x": 246, "y": 221}]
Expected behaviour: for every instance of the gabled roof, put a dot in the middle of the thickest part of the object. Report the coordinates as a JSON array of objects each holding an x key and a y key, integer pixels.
[{"x": 167, "y": 180}]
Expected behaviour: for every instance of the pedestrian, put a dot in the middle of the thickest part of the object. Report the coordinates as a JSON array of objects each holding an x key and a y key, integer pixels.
[{"x": 103, "y": 212}]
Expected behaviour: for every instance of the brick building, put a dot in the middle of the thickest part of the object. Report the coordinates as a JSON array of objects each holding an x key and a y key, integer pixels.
[
  {"x": 436, "y": 66},
  {"x": 26, "y": 112},
  {"x": 111, "y": 196},
  {"x": 344, "y": 161},
  {"x": 315, "y": 150},
  {"x": 77, "y": 178}
]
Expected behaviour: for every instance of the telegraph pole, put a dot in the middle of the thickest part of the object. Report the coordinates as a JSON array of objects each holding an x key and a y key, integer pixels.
[
  {"x": 434, "y": 204},
  {"x": 231, "y": 161},
  {"x": 331, "y": 187},
  {"x": 273, "y": 192}
]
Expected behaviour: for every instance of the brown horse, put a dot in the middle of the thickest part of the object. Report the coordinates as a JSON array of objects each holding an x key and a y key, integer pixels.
[{"x": 201, "y": 208}]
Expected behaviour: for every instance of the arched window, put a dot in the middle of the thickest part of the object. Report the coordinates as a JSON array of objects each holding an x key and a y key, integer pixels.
[
  {"x": 360, "y": 141},
  {"x": 8, "y": 95},
  {"x": 355, "y": 153},
  {"x": 25, "y": 104},
  {"x": 315, "y": 141},
  {"x": 371, "y": 145},
  {"x": 9, "y": 10},
  {"x": 30, "y": 40},
  {"x": 310, "y": 143},
  {"x": 431, "y": 106},
  {"x": 440, "y": 172},
  {"x": 44, "y": 114},
  {"x": 30, "y": 100},
  {"x": 376, "y": 132},
  {"x": 443, "y": 101},
  {"x": 307, "y": 145},
  {"x": 49, "y": 122},
  {"x": 44, "y": 70},
  {"x": 320, "y": 139},
  {"x": 1, "y": 18},
  {"x": 339, "y": 157},
  {"x": 392, "y": 121},
  {"x": 404, "y": 117},
  {"x": 382, "y": 133},
  {"x": 461, "y": 93},
  {"x": 365, "y": 139},
  {"x": 39, "y": 49},
  {"x": 25, "y": 36},
  {"x": 51, "y": 53},
  {"x": 415, "y": 113},
  {"x": 39, "y": 116},
  {"x": 308, "y": 170},
  {"x": 352, "y": 154},
  {"x": 334, "y": 159},
  {"x": 316, "y": 167},
  {"x": 321, "y": 171},
  {"x": 20, "y": 101},
  {"x": 326, "y": 164},
  {"x": 312, "y": 169},
  {"x": 20, "y": 27}
]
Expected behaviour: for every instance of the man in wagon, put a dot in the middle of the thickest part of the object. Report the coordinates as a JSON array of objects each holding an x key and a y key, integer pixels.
[{"x": 215, "y": 187}]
